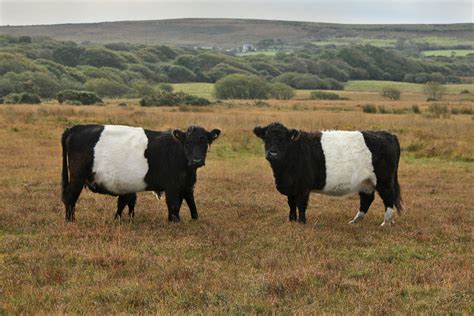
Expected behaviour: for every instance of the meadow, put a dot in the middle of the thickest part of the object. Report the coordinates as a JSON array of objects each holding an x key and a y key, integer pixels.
[
  {"x": 242, "y": 255},
  {"x": 448, "y": 52},
  {"x": 358, "y": 90}
]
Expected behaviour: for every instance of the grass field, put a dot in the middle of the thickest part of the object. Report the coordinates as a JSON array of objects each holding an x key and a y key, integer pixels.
[
  {"x": 241, "y": 256},
  {"x": 359, "y": 90},
  {"x": 266, "y": 53},
  {"x": 448, "y": 53}
]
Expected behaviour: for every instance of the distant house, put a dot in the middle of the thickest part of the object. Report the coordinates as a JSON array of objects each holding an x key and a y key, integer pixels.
[{"x": 248, "y": 48}]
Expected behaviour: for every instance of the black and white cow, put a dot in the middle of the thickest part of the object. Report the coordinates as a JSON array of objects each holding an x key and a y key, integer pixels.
[
  {"x": 122, "y": 160},
  {"x": 334, "y": 163}
]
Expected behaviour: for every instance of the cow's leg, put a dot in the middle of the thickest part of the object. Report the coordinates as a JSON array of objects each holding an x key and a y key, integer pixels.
[
  {"x": 121, "y": 203},
  {"x": 366, "y": 200},
  {"x": 302, "y": 203},
  {"x": 173, "y": 201},
  {"x": 292, "y": 205},
  {"x": 132, "y": 200},
  {"x": 189, "y": 197},
  {"x": 70, "y": 195},
  {"x": 387, "y": 193}
]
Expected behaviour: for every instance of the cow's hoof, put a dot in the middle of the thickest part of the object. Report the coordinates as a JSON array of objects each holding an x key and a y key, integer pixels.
[
  {"x": 174, "y": 219},
  {"x": 387, "y": 223}
]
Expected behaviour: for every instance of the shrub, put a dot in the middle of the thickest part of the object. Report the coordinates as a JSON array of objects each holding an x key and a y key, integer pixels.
[
  {"x": 391, "y": 93},
  {"x": 101, "y": 57},
  {"x": 415, "y": 109},
  {"x": 369, "y": 108},
  {"x": 465, "y": 91},
  {"x": 180, "y": 74},
  {"x": 281, "y": 91},
  {"x": 382, "y": 109},
  {"x": 321, "y": 95},
  {"x": 239, "y": 86},
  {"x": 438, "y": 109},
  {"x": 308, "y": 81},
  {"x": 434, "y": 90},
  {"x": 106, "y": 88},
  {"x": 166, "y": 87},
  {"x": 84, "y": 97},
  {"x": 24, "y": 97},
  {"x": 141, "y": 88},
  {"x": 165, "y": 98}
]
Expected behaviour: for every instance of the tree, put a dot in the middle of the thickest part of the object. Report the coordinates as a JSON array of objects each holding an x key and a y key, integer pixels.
[
  {"x": 67, "y": 55},
  {"x": 101, "y": 57},
  {"x": 434, "y": 90},
  {"x": 238, "y": 86},
  {"x": 281, "y": 91},
  {"x": 106, "y": 88}
]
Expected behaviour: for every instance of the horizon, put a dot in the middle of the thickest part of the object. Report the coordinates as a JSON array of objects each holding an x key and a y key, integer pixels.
[
  {"x": 248, "y": 19},
  {"x": 54, "y": 12}
]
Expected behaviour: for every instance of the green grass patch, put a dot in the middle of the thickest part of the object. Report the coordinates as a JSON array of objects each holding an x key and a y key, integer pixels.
[
  {"x": 266, "y": 53},
  {"x": 200, "y": 89},
  {"x": 448, "y": 52},
  {"x": 379, "y": 85}
]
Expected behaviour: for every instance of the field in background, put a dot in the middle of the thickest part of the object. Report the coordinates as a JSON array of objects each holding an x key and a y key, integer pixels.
[
  {"x": 359, "y": 90},
  {"x": 262, "y": 52},
  {"x": 448, "y": 53},
  {"x": 241, "y": 256}
]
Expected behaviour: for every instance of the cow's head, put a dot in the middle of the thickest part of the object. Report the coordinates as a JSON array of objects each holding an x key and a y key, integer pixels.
[
  {"x": 277, "y": 139},
  {"x": 196, "y": 141}
]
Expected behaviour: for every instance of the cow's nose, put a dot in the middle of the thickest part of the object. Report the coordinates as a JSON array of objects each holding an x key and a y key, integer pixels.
[
  {"x": 198, "y": 160},
  {"x": 272, "y": 154}
]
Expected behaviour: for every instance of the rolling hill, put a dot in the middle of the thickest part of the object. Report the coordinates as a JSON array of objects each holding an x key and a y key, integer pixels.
[{"x": 228, "y": 33}]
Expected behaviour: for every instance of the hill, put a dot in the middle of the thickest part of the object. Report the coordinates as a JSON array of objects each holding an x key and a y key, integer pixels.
[{"x": 228, "y": 33}]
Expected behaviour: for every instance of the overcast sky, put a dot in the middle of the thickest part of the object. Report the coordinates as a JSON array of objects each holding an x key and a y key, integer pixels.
[{"x": 28, "y": 12}]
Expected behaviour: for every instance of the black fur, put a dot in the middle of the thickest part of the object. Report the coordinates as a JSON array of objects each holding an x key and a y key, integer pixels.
[
  {"x": 173, "y": 158},
  {"x": 299, "y": 167}
]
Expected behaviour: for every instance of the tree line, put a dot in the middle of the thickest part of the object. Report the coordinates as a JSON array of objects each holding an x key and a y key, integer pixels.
[{"x": 46, "y": 67}]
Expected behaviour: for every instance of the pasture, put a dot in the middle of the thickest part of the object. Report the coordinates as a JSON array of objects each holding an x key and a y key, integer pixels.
[
  {"x": 448, "y": 52},
  {"x": 242, "y": 255},
  {"x": 358, "y": 90}
]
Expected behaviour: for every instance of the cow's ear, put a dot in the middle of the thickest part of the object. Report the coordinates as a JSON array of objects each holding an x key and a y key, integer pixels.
[
  {"x": 294, "y": 134},
  {"x": 212, "y": 135},
  {"x": 179, "y": 134},
  {"x": 260, "y": 131}
]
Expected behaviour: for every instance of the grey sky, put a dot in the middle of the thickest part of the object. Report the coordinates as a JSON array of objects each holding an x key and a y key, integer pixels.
[{"x": 28, "y": 12}]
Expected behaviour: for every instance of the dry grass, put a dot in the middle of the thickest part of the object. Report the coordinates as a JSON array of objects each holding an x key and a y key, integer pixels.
[{"x": 241, "y": 256}]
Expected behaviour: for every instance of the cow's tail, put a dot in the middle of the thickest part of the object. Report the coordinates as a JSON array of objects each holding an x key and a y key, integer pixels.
[
  {"x": 65, "y": 172},
  {"x": 398, "y": 194}
]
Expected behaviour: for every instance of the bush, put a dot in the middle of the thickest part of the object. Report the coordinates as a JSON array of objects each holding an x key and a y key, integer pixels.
[
  {"x": 84, "y": 97},
  {"x": 321, "y": 95},
  {"x": 438, "y": 110},
  {"x": 101, "y": 57},
  {"x": 309, "y": 81},
  {"x": 369, "y": 108},
  {"x": 391, "y": 93},
  {"x": 166, "y": 87},
  {"x": 239, "y": 86},
  {"x": 165, "y": 98},
  {"x": 180, "y": 74},
  {"x": 465, "y": 91},
  {"x": 106, "y": 88},
  {"x": 24, "y": 97},
  {"x": 141, "y": 88},
  {"x": 434, "y": 90},
  {"x": 415, "y": 109},
  {"x": 281, "y": 91}
]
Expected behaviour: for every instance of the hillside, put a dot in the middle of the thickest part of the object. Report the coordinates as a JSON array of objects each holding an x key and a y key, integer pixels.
[{"x": 228, "y": 33}]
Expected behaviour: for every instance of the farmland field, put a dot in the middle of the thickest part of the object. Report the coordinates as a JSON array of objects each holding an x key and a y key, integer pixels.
[
  {"x": 368, "y": 90},
  {"x": 448, "y": 52},
  {"x": 263, "y": 52},
  {"x": 242, "y": 255}
]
